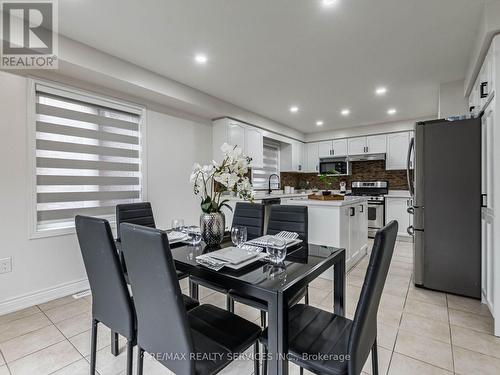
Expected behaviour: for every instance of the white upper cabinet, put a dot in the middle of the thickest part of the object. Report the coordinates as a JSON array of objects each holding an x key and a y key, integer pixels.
[
  {"x": 376, "y": 144},
  {"x": 312, "y": 157},
  {"x": 254, "y": 146},
  {"x": 397, "y": 150},
  {"x": 340, "y": 147},
  {"x": 356, "y": 146},
  {"x": 235, "y": 133},
  {"x": 325, "y": 149},
  {"x": 292, "y": 157}
]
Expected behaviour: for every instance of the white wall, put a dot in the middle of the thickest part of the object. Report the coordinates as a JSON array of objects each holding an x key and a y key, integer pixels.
[
  {"x": 46, "y": 268},
  {"x": 452, "y": 101},
  {"x": 388, "y": 127}
]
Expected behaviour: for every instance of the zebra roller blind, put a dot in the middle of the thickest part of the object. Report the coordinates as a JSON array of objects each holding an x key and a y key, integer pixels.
[
  {"x": 88, "y": 158},
  {"x": 260, "y": 176}
]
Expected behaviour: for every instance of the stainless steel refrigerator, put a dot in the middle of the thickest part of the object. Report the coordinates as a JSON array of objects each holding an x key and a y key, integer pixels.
[{"x": 446, "y": 193}]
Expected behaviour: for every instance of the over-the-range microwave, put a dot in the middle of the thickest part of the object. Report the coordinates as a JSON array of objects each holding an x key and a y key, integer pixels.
[{"x": 340, "y": 165}]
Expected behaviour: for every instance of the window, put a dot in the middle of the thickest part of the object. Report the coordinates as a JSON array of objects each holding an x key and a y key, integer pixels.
[
  {"x": 260, "y": 177},
  {"x": 87, "y": 155}
]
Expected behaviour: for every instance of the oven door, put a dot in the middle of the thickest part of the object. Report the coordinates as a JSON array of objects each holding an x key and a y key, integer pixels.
[{"x": 375, "y": 217}]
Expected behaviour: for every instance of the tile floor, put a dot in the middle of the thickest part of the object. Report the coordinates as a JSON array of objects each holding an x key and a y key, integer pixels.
[{"x": 420, "y": 332}]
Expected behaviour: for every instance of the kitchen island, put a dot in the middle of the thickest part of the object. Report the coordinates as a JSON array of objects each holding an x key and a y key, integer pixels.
[{"x": 341, "y": 224}]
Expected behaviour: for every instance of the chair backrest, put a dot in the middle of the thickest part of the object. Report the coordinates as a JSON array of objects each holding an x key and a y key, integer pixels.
[
  {"x": 111, "y": 301},
  {"x": 134, "y": 213},
  {"x": 162, "y": 324},
  {"x": 289, "y": 218},
  {"x": 364, "y": 328},
  {"x": 251, "y": 216}
]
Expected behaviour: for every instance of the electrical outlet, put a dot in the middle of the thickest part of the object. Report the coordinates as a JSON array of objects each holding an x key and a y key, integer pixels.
[{"x": 6, "y": 265}]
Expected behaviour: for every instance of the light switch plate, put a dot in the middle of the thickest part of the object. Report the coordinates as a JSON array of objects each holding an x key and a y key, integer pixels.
[{"x": 6, "y": 265}]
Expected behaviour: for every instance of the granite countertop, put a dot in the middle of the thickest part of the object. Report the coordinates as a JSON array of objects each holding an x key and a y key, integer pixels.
[
  {"x": 259, "y": 197},
  {"x": 349, "y": 200}
]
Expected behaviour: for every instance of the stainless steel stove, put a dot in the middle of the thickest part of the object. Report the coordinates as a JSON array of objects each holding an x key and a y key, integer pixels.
[{"x": 375, "y": 191}]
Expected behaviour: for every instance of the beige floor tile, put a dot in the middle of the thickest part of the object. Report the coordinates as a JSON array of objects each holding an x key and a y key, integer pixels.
[
  {"x": 246, "y": 312},
  {"x": 403, "y": 365},
  {"x": 392, "y": 302},
  {"x": 327, "y": 302},
  {"x": 399, "y": 272},
  {"x": 427, "y": 310},
  {"x": 22, "y": 326},
  {"x": 108, "y": 364},
  {"x": 428, "y": 296},
  {"x": 241, "y": 366},
  {"x": 4, "y": 370},
  {"x": 216, "y": 299},
  {"x": 31, "y": 342},
  {"x": 431, "y": 351},
  {"x": 419, "y": 325},
  {"x": 81, "y": 367},
  {"x": 323, "y": 284},
  {"x": 384, "y": 358},
  {"x": 82, "y": 341},
  {"x": 2, "y": 360},
  {"x": 68, "y": 310},
  {"x": 469, "y": 305},
  {"x": 472, "y": 321},
  {"x": 396, "y": 290},
  {"x": 46, "y": 361},
  {"x": 184, "y": 283},
  {"x": 386, "y": 335},
  {"x": 152, "y": 367},
  {"x": 355, "y": 280},
  {"x": 476, "y": 341},
  {"x": 19, "y": 314},
  {"x": 57, "y": 303},
  {"x": 75, "y": 325},
  {"x": 391, "y": 317},
  {"x": 318, "y": 295},
  {"x": 468, "y": 362},
  {"x": 205, "y": 292}
]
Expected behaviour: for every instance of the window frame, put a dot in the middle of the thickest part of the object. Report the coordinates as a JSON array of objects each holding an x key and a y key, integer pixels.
[
  {"x": 273, "y": 143},
  {"x": 34, "y": 232}
]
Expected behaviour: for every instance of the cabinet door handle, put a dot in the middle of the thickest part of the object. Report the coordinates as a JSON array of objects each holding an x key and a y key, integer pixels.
[
  {"x": 352, "y": 211},
  {"x": 410, "y": 230},
  {"x": 484, "y": 89},
  {"x": 333, "y": 152},
  {"x": 484, "y": 200},
  {"x": 362, "y": 209}
]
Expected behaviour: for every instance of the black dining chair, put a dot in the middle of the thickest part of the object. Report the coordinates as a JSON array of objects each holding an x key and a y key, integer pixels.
[
  {"x": 289, "y": 218},
  {"x": 201, "y": 341},
  {"x": 344, "y": 344},
  {"x": 111, "y": 301},
  {"x": 251, "y": 216},
  {"x": 140, "y": 214}
]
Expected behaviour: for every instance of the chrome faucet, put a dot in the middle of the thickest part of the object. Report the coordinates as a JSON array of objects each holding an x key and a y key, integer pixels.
[{"x": 269, "y": 182}]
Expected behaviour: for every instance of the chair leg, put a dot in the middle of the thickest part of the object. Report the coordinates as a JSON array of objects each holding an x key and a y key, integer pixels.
[
  {"x": 301, "y": 371},
  {"x": 194, "y": 289},
  {"x": 229, "y": 304},
  {"x": 263, "y": 319},
  {"x": 374, "y": 358},
  {"x": 140, "y": 360},
  {"x": 264, "y": 361},
  {"x": 93, "y": 346},
  {"x": 256, "y": 359},
  {"x": 130, "y": 359},
  {"x": 115, "y": 348},
  {"x": 306, "y": 297}
]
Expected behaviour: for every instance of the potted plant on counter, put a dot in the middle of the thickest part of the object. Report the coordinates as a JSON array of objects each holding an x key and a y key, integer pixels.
[
  {"x": 211, "y": 181},
  {"x": 328, "y": 179}
]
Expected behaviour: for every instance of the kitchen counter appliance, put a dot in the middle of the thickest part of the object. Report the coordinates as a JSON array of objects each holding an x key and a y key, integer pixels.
[
  {"x": 446, "y": 196},
  {"x": 375, "y": 191}
]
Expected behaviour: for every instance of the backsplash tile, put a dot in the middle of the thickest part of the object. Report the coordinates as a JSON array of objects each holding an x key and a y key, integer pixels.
[{"x": 360, "y": 171}]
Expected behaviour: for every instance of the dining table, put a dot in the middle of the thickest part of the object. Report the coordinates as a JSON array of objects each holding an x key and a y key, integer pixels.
[{"x": 274, "y": 284}]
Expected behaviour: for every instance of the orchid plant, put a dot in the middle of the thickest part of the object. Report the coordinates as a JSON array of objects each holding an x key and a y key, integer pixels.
[{"x": 212, "y": 180}]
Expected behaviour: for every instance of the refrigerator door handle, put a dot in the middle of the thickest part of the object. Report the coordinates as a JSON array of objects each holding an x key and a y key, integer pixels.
[
  {"x": 408, "y": 167},
  {"x": 410, "y": 210}
]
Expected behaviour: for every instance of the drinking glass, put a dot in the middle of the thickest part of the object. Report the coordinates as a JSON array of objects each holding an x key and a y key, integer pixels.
[
  {"x": 177, "y": 225},
  {"x": 194, "y": 235},
  {"x": 276, "y": 250},
  {"x": 238, "y": 235}
]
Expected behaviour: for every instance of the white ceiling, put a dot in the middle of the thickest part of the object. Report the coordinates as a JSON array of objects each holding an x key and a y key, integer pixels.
[{"x": 266, "y": 55}]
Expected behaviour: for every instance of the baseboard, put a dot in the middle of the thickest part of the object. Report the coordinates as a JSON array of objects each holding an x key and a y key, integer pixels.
[{"x": 42, "y": 296}]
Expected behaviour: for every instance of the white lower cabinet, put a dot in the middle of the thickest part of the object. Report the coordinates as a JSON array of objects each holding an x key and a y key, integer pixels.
[
  {"x": 487, "y": 257},
  {"x": 396, "y": 208}
]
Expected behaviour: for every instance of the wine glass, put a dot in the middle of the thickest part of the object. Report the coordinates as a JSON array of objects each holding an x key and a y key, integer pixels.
[
  {"x": 177, "y": 225},
  {"x": 238, "y": 235},
  {"x": 276, "y": 249}
]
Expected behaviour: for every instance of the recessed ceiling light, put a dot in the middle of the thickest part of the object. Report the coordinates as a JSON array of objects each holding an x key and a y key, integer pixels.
[
  {"x": 294, "y": 109},
  {"x": 201, "y": 58},
  {"x": 345, "y": 112},
  {"x": 391, "y": 111},
  {"x": 380, "y": 90},
  {"x": 329, "y": 3},
  {"x": 319, "y": 123}
]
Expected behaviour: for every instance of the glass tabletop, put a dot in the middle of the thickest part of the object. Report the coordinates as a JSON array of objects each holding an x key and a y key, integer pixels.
[{"x": 300, "y": 260}]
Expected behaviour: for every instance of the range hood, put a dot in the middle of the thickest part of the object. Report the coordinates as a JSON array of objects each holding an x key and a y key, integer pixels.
[{"x": 366, "y": 157}]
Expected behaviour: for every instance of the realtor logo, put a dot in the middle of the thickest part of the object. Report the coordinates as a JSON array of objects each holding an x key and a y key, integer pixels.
[{"x": 29, "y": 34}]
